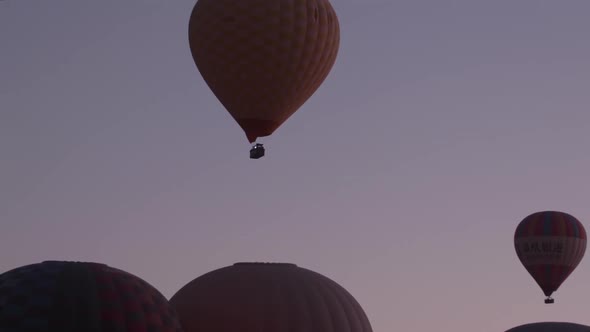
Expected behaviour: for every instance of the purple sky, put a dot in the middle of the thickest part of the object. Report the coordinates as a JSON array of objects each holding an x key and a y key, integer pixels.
[{"x": 441, "y": 126}]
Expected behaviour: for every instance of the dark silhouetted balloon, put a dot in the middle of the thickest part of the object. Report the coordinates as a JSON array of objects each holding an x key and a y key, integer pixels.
[
  {"x": 551, "y": 327},
  {"x": 267, "y": 297},
  {"x": 263, "y": 58},
  {"x": 57, "y": 296},
  {"x": 550, "y": 245}
]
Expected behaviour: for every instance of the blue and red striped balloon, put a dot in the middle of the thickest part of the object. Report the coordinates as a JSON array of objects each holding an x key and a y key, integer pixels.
[{"x": 56, "y": 296}]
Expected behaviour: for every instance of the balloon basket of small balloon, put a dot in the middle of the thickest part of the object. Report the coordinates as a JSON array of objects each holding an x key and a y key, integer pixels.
[{"x": 257, "y": 151}]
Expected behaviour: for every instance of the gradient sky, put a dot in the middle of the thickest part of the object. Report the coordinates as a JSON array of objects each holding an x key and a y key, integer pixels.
[{"x": 441, "y": 126}]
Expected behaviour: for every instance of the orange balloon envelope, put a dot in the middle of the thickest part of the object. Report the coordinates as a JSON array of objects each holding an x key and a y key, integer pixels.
[
  {"x": 263, "y": 58},
  {"x": 267, "y": 297},
  {"x": 550, "y": 245}
]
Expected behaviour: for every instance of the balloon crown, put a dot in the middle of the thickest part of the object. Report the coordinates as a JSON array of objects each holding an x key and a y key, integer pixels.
[{"x": 265, "y": 263}]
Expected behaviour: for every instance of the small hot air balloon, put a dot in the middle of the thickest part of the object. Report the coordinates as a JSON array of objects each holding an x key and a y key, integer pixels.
[
  {"x": 55, "y": 296},
  {"x": 263, "y": 58},
  {"x": 550, "y": 327},
  {"x": 267, "y": 297},
  {"x": 550, "y": 245}
]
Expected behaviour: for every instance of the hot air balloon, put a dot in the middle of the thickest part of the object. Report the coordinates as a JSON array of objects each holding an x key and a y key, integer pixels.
[
  {"x": 56, "y": 296},
  {"x": 551, "y": 327},
  {"x": 263, "y": 58},
  {"x": 550, "y": 245},
  {"x": 267, "y": 297}
]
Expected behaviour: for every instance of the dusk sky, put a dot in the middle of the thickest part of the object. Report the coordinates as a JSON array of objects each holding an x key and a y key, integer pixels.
[{"x": 440, "y": 127}]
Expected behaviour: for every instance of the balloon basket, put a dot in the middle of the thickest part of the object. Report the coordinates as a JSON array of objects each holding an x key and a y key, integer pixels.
[
  {"x": 257, "y": 151},
  {"x": 549, "y": 300}
]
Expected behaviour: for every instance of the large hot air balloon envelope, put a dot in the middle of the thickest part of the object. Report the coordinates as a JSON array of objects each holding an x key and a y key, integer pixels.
[
  {"x": 59, "y": 296},
  {"x": 263, "y": 58},
  {"x": 267, "y": 297},
  {"x": 550, "y": 245},
  {"x": 551, "y": 327}
]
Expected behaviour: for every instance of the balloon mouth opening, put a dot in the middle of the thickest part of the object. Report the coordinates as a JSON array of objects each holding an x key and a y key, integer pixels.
[
  {"x": 256, "y": 128},
  {"x": 265, "y": 264}
]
